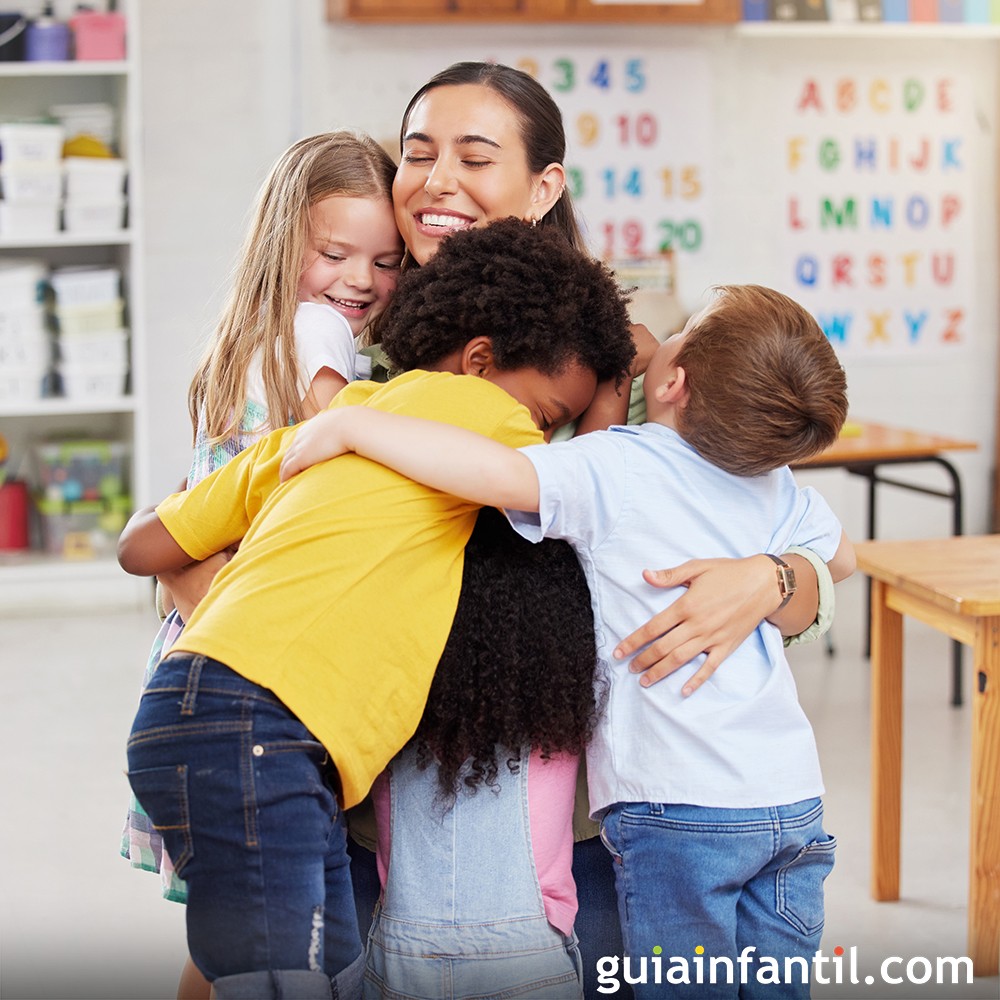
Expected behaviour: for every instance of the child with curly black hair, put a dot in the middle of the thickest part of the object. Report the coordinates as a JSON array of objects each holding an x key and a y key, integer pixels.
[
  {"x": 274, "y": 708},
  {"x": 474, "y": 815}
]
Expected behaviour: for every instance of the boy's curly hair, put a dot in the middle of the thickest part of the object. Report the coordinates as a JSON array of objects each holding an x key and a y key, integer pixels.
[
  {"x": 518, "y": 667},
  {"x": 543, "y": 304}
]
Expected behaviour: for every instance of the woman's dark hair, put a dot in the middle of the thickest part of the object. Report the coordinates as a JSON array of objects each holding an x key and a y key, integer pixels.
[
  {"x": 539, "y": 122},
  {"x": 543, "y": 304},
  {"x": 518, "y": 667}
]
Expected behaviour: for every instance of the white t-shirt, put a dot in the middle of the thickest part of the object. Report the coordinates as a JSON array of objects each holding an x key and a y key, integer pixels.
[{"x": 632, "y": 498}]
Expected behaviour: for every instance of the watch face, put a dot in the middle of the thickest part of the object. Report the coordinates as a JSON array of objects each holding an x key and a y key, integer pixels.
[{"x": 786, "y": 580}]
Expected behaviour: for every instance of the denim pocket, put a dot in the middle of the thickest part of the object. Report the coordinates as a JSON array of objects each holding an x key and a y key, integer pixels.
[
  {"x": 800, "y": 885},
  {"x": 163, "y": 793}
]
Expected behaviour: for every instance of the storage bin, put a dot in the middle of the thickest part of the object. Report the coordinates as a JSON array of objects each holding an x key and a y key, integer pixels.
[
  {"x": 94, "y": 216},
  {"x": 83, "y": 529},
  {"x": 22, "y": 282},
  {"x": 25, "y": 350},
  {"x": 94, "y": 318},
  {"x": 94, "y": 179},
  {"x": 21, "y": 385},
  {"x": 97, "y": 120},
  {"x": 98, "y": 350},
  {"x": 29, "y": 219},
  {"x": 86, "y": 286},
  {"x": 39, "y": 183},
  {"x": 85, "y": 469},
  {"x": 23, "y": 321},
  {"x": 13, "y": 27},
  {"x": 97, "y": 35},
  {"x": 31, "y": 143},
  {"x": 93, "y": 381}
]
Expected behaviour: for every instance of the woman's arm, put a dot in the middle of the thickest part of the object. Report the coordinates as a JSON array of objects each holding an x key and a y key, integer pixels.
[
  {"x": 725, "y": 601},
  {"x": 610, "y": 403}
]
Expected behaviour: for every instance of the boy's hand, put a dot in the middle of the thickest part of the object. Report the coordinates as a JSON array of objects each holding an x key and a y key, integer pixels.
[{"x": 319, "y": 438}]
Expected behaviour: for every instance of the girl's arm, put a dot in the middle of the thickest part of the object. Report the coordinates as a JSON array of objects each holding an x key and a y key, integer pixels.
[
  {"x": 447, "y": 458},
  {"x": 146, "y": 548},
  {"x": 324, "y": 386}
]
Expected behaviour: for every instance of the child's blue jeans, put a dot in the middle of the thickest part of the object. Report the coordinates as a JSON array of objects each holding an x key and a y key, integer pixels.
[
  {"x": 697, "y": 883},
  {"x": 242, "y": 794}
]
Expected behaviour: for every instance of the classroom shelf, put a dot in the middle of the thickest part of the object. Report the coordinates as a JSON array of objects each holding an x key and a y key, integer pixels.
[
  {"x": 94, "y": 67},
  {"x": 36, "y": 583},
  {"x": 855, "y": 29}
]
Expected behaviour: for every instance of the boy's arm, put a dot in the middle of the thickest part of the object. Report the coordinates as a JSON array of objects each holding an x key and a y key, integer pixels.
[
  {"x": 447, "y": 458},
  {"x": 146, "y": 548}
]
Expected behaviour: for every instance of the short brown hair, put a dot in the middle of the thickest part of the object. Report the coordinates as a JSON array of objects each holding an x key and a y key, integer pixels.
[{"x": 766, "y": 388}]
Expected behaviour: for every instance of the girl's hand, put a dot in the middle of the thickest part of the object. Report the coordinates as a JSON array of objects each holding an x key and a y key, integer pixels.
[
  {"x": 188, "y": 585},
  {"x": 319, "y": 438},
  {"x": 726, "y": 600}
]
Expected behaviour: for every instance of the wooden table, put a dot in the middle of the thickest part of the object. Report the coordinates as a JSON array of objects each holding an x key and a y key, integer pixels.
[
  {"x": 871, "y": 446},
  {"x": 952, "y": 584}
]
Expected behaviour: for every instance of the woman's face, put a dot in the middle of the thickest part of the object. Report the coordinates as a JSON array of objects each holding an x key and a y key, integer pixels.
[{"x": 463, "y": 165}]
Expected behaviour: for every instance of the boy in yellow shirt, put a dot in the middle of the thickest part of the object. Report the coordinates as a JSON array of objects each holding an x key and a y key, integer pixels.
[{"x": 280, "y": 704}]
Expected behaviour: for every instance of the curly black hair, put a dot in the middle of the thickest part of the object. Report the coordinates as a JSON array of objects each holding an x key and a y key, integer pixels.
[
  {"x": 519, "y": 665},
  {"x": 542, "y": 303}
]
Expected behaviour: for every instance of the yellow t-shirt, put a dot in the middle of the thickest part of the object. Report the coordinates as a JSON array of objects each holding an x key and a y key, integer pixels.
[{"x": 343, "y": 545}]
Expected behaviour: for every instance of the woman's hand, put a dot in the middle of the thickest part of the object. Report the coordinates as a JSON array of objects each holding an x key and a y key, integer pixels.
[
  {"x": 188, "y": 585},
  {"x": 319, "y": 438},
  {"x": 726, "y": 600},
  {"x": 645, "y": 347}
]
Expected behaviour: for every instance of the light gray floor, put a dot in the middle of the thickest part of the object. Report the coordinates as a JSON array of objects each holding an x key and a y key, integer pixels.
[{"x": 76, "y": 922}]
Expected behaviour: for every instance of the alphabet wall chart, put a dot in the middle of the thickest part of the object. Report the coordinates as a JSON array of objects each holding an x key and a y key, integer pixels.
[{"x": 878, "y": 215}]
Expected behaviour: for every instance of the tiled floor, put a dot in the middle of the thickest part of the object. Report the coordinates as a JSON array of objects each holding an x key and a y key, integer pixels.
[{"x": 76, "y": 922}]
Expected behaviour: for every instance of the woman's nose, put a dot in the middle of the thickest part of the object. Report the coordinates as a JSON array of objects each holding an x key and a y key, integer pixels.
[{"x": 441, "y": 180}]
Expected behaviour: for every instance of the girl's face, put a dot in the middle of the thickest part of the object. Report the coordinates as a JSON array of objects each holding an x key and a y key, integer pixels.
[
  {"x": 463, "y": 165},
  {"x": 352, "y": 257}
]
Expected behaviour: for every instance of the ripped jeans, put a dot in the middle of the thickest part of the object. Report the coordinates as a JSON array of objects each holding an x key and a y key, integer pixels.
[
  {"x": 697, "y": 883},
  {"x": 241, "y": 792}
]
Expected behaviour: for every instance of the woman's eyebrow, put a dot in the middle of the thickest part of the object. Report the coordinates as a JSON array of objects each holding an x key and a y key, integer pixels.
[{"x": 460, "y": 140}]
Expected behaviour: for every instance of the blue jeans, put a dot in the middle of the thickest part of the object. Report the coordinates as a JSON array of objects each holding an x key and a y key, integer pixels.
[
  {"x": 730, "y": 881},
  {"x": 244, "y": 798}
]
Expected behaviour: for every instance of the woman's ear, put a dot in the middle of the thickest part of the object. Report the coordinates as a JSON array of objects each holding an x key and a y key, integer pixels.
[
  {"x": 477, "y": 357},
  {"x": 549, "y": 186}
]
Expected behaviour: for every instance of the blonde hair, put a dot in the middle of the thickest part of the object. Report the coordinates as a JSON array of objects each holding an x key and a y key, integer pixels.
[{"x": 258, "y": 319}]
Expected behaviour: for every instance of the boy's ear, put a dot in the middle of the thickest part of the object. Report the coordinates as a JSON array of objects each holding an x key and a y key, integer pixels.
[
  {"x": 477, "y": 357},
  {"x": 548, "y": 190},
  {"x": 673, "y": 389}
]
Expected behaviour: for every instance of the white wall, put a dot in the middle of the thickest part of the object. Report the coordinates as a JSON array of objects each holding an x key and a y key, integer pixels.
[{"x": 222, "y": 100}]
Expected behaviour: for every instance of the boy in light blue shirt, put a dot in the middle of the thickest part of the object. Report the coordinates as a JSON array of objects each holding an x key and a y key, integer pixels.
[{"x": 710, "y": 803}]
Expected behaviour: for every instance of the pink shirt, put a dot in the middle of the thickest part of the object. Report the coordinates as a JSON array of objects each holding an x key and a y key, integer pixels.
[{"x": 551, "y": 793}]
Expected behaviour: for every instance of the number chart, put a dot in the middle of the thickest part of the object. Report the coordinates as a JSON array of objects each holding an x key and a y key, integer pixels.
[{"x": 638, "y": 129}]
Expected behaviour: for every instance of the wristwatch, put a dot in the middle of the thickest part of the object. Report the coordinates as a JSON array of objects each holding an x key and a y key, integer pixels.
[{"x": 786, "y": 580}]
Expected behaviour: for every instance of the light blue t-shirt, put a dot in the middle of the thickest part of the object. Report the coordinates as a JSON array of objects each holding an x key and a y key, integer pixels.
[{"x": 639, "y": 497}]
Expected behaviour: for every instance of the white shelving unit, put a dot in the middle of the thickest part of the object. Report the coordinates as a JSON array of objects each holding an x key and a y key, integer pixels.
[{"x": 35, "y": 581}]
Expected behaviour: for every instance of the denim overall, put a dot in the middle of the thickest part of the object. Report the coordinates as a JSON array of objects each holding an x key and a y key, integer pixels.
[{"x": 462, "y": 913}]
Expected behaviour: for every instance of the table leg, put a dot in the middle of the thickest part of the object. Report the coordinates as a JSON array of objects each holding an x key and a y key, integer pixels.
[
  {"x": 984, "y": 848},
  {"x": 887, "y": 743}
]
